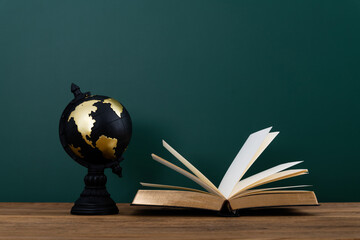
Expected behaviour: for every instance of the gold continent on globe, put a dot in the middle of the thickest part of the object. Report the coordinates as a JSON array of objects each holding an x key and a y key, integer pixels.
[{"x": 85, "y": 123}]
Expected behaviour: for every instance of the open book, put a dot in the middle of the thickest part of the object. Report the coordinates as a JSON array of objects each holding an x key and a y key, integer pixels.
[{"x": 233, "y": 192}]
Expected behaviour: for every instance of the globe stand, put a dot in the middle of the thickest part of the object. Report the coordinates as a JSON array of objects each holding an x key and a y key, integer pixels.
[{"x": 95, "y": 199}]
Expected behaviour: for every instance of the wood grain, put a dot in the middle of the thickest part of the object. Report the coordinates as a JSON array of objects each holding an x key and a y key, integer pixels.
[{"x": 52, "y": 221}]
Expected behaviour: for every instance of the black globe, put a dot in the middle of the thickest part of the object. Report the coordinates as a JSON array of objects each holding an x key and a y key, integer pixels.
[{"x": 95, "y": 129}]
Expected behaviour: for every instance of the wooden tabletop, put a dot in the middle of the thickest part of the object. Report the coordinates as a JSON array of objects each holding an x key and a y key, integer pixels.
[{"x": 52, "y": 221}]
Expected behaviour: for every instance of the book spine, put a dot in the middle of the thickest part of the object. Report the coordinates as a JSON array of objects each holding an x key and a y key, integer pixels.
[{"x": 227, "y": 211}]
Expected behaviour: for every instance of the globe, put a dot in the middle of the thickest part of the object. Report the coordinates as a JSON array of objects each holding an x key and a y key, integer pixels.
[{"x": 95, "y": 131}]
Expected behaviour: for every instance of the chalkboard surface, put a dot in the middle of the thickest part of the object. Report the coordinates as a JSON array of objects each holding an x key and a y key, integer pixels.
[{"x": 202, "y": 75}]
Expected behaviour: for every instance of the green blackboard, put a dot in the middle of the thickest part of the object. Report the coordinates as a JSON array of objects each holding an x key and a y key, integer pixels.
[{"x": 202, "y": 75}]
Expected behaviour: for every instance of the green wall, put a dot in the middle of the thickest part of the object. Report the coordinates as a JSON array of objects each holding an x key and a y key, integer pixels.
[{"x": 202, "y": 75}]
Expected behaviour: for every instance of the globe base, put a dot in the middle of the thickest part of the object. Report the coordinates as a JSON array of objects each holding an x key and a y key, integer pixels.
[
  {"x": 95, "y": 199},
  {"x": 94, "y": 209}
]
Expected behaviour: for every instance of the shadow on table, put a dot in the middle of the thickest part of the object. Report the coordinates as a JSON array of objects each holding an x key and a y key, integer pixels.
[{"x": 181, "y": 212}]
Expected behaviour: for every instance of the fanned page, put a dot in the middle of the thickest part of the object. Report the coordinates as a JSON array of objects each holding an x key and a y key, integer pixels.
[
  {"x": 193, "y": 169},
  {"x": 261, "y": 175},
  {"x": 185, "y": 173},
  {"x": 273, "y": 178},
  {"x": 279, "y": 176},
  {"x": 242, "y": 160},
  {"x": 269, "y": 138}
]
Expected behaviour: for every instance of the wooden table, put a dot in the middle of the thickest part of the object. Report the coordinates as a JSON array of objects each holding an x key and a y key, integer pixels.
[{"x": 52, "y": 221}]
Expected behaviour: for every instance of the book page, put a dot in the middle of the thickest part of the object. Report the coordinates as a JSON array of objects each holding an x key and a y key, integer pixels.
[
  {"x": 241, "y": 161},
  {"x": 261, "y": 175},
  {"x": 276, "y": 177},
  {"x": 185, "y": 173},
  {"x": 172, "y": 198},
  {"x": 279, "y": 176},
  {"x": 269, "y": 138},
  {"x": 193, "y": 169},
  {"x": 170, "y": 187}
]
